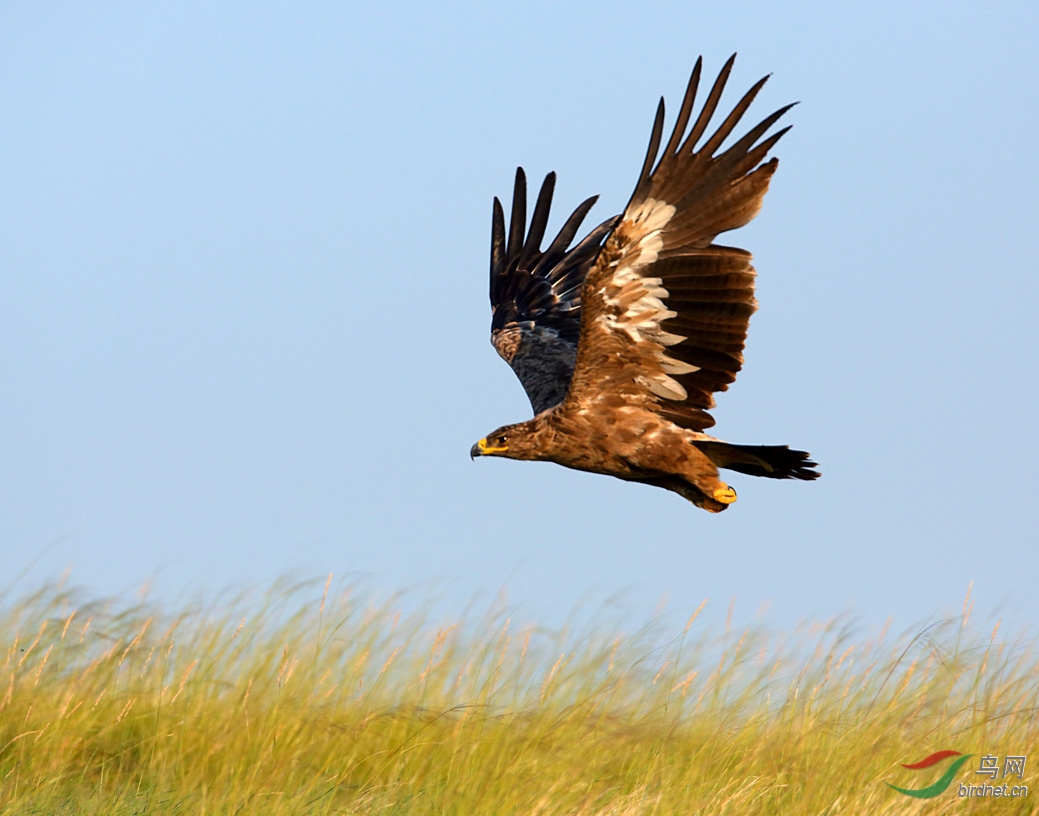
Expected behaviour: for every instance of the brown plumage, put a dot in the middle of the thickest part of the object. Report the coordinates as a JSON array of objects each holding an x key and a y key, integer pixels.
[{"x": 621, "y": 344}]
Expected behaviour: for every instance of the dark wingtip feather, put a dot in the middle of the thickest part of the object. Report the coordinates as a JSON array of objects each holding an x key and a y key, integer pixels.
[
  {"x": 710, "y": 105},
  {"x": 654, "y": 143},
  {"x": 686, "y": 110},
  {"x": 733, "y": 118},
  {"x": 497, "y": 242},
  {"x": 569, "y": 230},
  {"x": 518, "y": 222},
  {"x": 538, "y": 221}
]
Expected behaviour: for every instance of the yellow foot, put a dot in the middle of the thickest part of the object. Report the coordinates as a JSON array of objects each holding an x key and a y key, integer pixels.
[{"x": 724, "y": 494}]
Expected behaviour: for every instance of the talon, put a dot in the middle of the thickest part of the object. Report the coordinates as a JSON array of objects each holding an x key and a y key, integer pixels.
[{"x": 724, "y": 494}]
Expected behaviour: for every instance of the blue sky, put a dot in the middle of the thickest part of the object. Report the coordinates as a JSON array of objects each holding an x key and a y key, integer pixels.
[{"x": 244, "y": 318}]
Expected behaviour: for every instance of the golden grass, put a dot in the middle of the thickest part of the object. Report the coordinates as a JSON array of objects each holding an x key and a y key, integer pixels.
[{"x": 320, "y": 704}]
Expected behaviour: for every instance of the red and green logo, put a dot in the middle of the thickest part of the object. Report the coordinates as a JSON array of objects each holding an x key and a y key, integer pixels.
[{"x": 939, "y": 785}]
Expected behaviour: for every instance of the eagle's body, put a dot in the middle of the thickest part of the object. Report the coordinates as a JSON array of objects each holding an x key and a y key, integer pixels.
[
  {"x": 634, "y": 445},
  {"x": 620, "y": 343}
]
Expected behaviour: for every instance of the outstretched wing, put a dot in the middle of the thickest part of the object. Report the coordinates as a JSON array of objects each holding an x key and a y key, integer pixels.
[
  {"x": 665, "y": 311},
  {"x": 536, "y": 296}
]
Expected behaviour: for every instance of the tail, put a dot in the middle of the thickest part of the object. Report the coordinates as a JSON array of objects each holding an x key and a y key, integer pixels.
[{"x": 771, "y": 461}]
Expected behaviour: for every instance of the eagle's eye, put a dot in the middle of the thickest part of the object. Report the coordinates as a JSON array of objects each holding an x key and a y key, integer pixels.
[{"x": 502, "y": 439}]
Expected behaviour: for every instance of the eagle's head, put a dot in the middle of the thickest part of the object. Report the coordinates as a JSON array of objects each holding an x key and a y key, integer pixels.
[{"x": 511, "y": 441}]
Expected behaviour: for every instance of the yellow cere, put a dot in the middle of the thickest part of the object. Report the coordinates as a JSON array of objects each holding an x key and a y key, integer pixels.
[{"x": 487, "y": 448}]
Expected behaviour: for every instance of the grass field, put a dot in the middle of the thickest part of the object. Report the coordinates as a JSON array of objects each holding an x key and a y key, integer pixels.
[{"x": 299, "y": 702}]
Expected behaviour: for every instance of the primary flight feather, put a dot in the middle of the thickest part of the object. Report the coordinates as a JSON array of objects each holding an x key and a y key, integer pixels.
[{"x": 621, "y": 341}]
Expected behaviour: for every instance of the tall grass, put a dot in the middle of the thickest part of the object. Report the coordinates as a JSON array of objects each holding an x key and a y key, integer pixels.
[{"x": 311, "y": 702}]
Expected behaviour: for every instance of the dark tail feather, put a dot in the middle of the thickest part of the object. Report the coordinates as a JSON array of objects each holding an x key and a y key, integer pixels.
[{"x": 771, "y": 461}]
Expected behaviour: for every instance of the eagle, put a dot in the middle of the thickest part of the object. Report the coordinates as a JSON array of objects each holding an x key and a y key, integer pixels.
[{"x": 621, "y": 340}]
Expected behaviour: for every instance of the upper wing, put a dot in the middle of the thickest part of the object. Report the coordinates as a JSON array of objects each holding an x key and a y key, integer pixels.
[
  {"x": 665, "y": 310},
  {"x": 536, "y": 296}
]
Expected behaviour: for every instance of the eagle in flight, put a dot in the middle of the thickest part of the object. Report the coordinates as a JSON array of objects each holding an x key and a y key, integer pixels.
[{"x": 621, "y": 340}]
